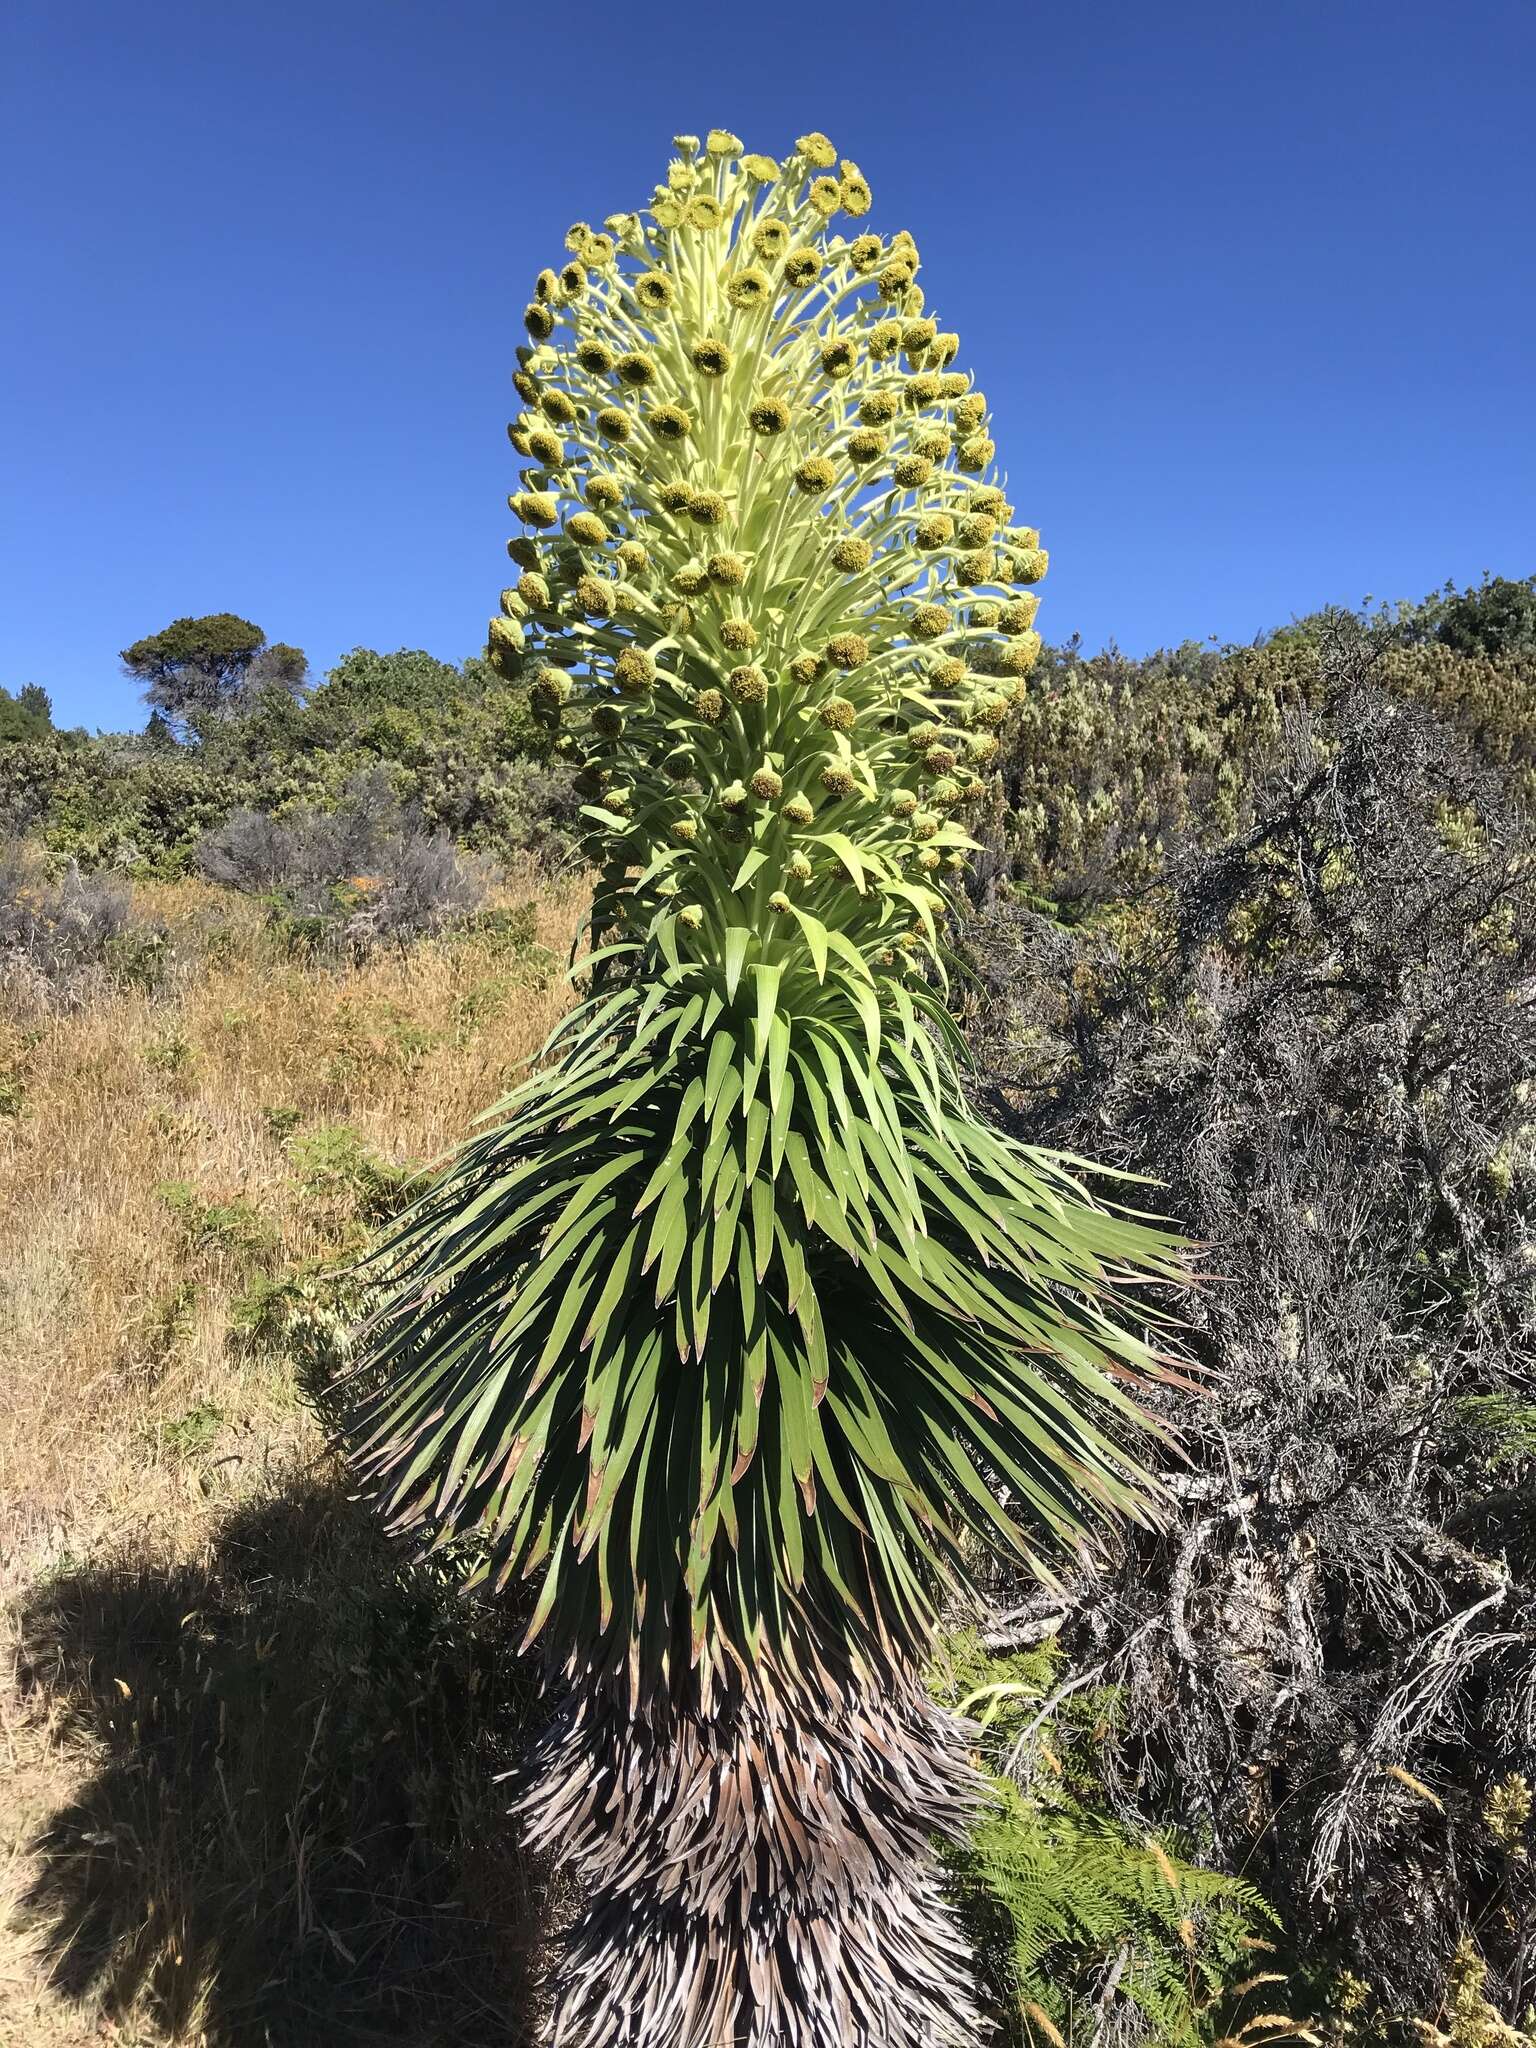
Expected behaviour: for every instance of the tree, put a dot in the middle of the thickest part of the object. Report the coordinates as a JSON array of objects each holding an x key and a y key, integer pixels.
[
  {"x": 197, "y": 668},
  {"x": 737, "y": 1328},
  {"x": 26, "y": 716}
]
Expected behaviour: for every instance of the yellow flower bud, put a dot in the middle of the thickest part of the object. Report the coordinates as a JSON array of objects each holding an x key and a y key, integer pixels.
[
  {"x": 837, "y": 714},
  {"x": 934, "y": 530},
  {"x": 614, "y": 424},
  {"x": 837, "y": 782},
  {"x": 748, "y": 684},
  {"x": 1030, "y": 564},
  {"x": 636, "y": 369},
  {"x": 929, "y": 622},
  {"x": 800, "y": 266},
  {"x": 739, "y": 635},
  {"x": 865, "y": 446},
  {"x": 766, "y": 784},
  {"x": 707, "y": 508},
  {"x": 878, "y": 409},
  {"x": 815, "y": 476},
  {"x": 1019, "y": 616},
  {"x": 851, "y": 555},
  {"x": 826, "y": 196},
  {"x": 798, "y": 868},
  {"x": 533, "y": 590},
  {"x": 586, "y": 529},
  {"x": 768, "y": 415},
  {"x": 632, "y": 558},
  {"x": 797, "y": 810},
  {"x": 770, "y": 238},
  {"x": 634, "y": 671},
  {"x": 710, "y": 706},
  {"x": 691, "y": 916},
  {"x": 911, "y": 472},
  {"x": 539, "y": 321},
  {"x": 595, "y": 357},
  {"x": 980, "y": 567},
  {"x": 847, "y": 651},
  {"x": 524, "y": 551},
  {"x": 778, "y": 903},
  {"x": 704, "y": 211},
  {"x": 805, "y": 668},
  {"x": 535, "y": 508}
]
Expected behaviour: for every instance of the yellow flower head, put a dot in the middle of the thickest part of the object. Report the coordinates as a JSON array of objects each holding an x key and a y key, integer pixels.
[
  {"x": 817, "y": 150},
  {"x": 603, "y": 492},
  {"x": 865, "y": 446},
  {"x": 749, "y": 287},
  {"x": 538, "y": 320},
  {"x": 911, "y": 472},
  {"x": 636, "y": 369},
  {"x": 766, "y": 784},
  {"x": 710, "y": 706},
  {"x": 883, "y": 339},
  {"x": 595, "y": 357},
  {"x": 800, "y": 266},
  {"x": 836, "y": 781},
  {"x": 633, "y": 558},
  {"x": 593, "y": 597},
  {"x": 851, "y": 555},
  {"x": 586, "y": 529},
  {"x": 739, "y": 635},
  {"x": 815, "y": 476},
  {"x": 710, "y": 358},
  {"x": 805, "y": 668},
  {"x": 768, "y": 415},
  {"x": 797, "y": 810},
  {"x": 929, "y": 622},
  {"x": 934, "y": 530},
  {"x": 727, "y": 569},
  {"x": 614, "y": 423},
  {"x": 704, "y": 211},
  {"x": 721, "y": 142},
  {"x": 837, "y": 714},
  {"x": 770, "y": 238},
  {"x": 524, "y": 551},
  {"x": 826, "y": 195},
  {"x": 839, "y": 358},
  {"x": 865, "y": 252},
  {"x": 669, "y": 423}
]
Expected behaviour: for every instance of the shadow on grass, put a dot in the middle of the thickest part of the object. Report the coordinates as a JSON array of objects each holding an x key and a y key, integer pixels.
[{"x": 291, "y": 1836}]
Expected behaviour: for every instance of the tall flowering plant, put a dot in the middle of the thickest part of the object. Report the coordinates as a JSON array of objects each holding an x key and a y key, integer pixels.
[{"x": 737, "y": 1330}]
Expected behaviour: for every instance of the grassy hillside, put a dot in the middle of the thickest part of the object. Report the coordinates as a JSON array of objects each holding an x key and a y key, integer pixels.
[{"x": 229, "y": 1800}]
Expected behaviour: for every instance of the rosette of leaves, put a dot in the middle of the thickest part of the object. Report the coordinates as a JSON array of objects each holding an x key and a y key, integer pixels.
[{"x": 736, "y": 1330}]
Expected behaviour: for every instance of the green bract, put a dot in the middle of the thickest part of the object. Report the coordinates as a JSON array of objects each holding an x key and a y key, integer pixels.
[{"x": 737, "y": 1329}]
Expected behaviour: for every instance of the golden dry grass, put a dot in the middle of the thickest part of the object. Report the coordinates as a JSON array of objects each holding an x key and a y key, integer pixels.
[{"x": 171, "y": 1532}]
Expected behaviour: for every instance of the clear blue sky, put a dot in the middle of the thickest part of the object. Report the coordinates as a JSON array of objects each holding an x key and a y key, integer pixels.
[{"x": 1251, "y": 289}]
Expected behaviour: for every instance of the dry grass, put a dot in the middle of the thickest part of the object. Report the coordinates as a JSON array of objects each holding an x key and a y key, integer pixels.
[{"x": 245, "y": 1759}]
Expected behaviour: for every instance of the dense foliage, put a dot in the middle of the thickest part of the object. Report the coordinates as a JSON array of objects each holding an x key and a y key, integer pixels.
[{"x": 1318, "y": 1035}]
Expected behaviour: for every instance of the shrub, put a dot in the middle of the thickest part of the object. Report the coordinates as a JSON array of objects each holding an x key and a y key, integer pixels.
[
  {"x": 1318, "y": 1037},
  {"x": 56, "y": 935},
  {"x": 348, "y": 880}
]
